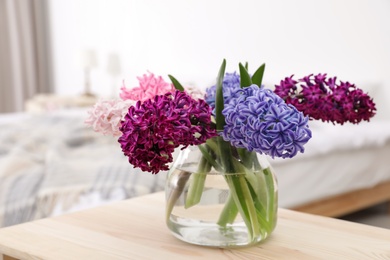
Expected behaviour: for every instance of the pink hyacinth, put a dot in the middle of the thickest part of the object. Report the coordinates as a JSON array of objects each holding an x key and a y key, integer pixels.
[
  {"x": 106, "y": 115},
  {"x": 149, "y": 87}
]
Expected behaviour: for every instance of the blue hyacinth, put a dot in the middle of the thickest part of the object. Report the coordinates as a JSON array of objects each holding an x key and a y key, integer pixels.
[
  {"x": 231, "y": 83},
  {"x": 259, "y": 120}
]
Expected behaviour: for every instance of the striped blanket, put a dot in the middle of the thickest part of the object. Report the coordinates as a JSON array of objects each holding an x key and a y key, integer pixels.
[{"x": 52, "y": 164}]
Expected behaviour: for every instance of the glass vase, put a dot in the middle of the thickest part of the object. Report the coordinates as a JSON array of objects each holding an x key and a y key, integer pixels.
[{"x": 221, "y": 196}]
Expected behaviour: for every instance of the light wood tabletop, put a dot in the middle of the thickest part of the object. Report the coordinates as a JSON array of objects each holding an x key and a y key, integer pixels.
[{"x": 135, "y": 229}]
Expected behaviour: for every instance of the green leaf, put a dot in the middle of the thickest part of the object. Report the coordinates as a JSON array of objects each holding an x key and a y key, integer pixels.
[
  {"x": 219, "y": 102},
  {"x": 176, "y": 83},
  {"x": 257, "y": 77},
  {"x": 245, "y": 79},
  {"x": 246, "y": 66}
]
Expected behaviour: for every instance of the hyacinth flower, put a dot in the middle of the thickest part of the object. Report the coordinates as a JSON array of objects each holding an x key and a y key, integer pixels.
[
  {"x": 249, "y": 119},
  {"x": 323, "y": 98},
  {"x": 153, "y": 119},
  {"x": 151, "y": 130},
  {"x": 106, "y": 116},
  {"x": 150, "y": 86}
]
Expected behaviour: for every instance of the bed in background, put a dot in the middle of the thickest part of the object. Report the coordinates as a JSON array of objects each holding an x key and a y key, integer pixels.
[
  {"x": 51, "y": 164},
  {"x": 344, "y": 169}
]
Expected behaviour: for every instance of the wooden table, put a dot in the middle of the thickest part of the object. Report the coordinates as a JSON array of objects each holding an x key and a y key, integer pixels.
[{"x": 135, "y": 229}]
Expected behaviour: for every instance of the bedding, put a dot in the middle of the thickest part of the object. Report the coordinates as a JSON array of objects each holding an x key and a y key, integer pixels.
[
  {"x": 51, "y": 164},
  {"x": 338, "y": 159}
]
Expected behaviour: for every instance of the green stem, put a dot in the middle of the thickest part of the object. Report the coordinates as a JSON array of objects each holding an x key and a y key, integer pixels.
[
  {"x": 229, "y": 212},
  {"x": 206, "y": 153},
  {"x": 272, "y": 208},
  {"x": 244, "y": 202},
  {"x": 246, "y": 157},
  {"x": 225, "y": 152},
  {"x": 239, "y": 189},
  {"x": 254, "y": 193},
  {"x": 266, "y": 196},
  {"x": 252, "y": 180},
  {"x": 198, "y": 179},
  {"x": 175, "y": 194}
]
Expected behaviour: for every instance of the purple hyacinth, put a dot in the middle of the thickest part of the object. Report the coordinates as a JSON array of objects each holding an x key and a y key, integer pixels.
[
  {"x": 323, "y": 98},
  {"x": 153, "y": 129},
  {"x": 257, "y": 119},
  {"x": 231, "y": 82}
]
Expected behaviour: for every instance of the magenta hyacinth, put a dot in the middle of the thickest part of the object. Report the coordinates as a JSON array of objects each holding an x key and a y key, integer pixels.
[
  {"x": 153, "y": 129},
  {"x": 323, "y": 98}
]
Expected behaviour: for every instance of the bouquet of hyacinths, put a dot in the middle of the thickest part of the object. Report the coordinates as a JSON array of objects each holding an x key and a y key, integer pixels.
[{"x": 231, "y": 124}]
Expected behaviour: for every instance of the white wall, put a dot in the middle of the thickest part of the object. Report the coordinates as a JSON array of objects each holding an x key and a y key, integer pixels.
[{"x": 349, "y": 39}]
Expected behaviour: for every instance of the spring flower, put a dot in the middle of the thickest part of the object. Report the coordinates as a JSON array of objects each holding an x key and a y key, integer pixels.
[
  {"x": 153, "y": 129},
  {"x": 231, "y": 82},
  {"x": 323, "y": 98},
  {"x": 149, "y": 86},
  {"x": 195, "y": 92},
  {"x": 106, "y": 115},
  {"x": 259, "y": 120},
  {"x": 249, "y": 118}
]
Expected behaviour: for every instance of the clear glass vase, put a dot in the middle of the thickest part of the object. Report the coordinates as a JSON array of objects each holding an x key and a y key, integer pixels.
[{"x": 221, "y": 196}]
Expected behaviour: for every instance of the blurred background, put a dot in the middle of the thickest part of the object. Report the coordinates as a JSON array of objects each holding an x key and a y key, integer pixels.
[{"x": 69, "y": 47}]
